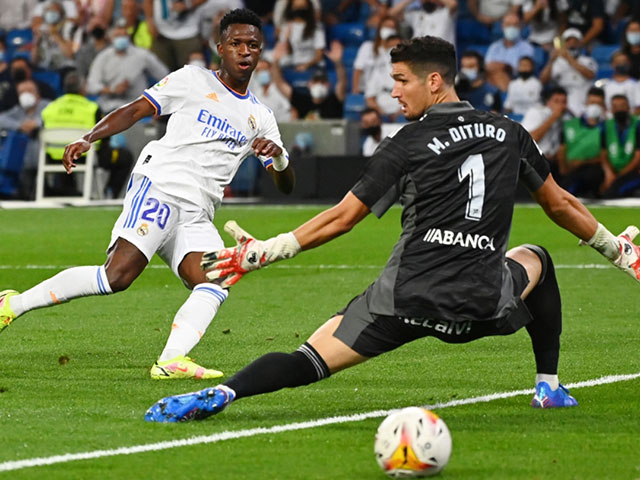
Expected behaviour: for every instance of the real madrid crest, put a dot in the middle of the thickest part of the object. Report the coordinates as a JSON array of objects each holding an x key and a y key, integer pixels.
[
  {"x": 252, "y": 122},
  {"x": 143, "y": 230}
]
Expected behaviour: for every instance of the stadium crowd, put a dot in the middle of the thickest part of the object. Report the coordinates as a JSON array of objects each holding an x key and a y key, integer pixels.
[{"x": 568, "y": 70}]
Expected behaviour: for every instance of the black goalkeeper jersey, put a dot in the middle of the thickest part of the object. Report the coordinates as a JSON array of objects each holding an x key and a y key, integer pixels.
[{"x": 455, "y": 171}]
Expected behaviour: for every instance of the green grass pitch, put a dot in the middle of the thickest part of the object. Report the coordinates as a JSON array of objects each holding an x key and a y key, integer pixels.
[{"x": 74, "y": 378}]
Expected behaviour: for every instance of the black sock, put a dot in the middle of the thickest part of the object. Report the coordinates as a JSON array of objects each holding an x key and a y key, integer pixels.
[
  {"x": 274, "y": 371},
  {"x": 545, "y": 306}
]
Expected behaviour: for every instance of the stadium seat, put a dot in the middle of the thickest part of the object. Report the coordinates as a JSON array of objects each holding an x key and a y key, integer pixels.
[
  {"x": 354, "y": 104},
  {"x": 295, "y": 78},
  {"x": 269, "y": 35},
  {"x": 604, "y": 71},
  {"x": 471, "y": 31},
  {"x": 18, "y": 40},
  {"x": 516, "y": 117},
  {"x": 540, "y": 56},
  {"x": 481, "y": 49},
  {"x": 349, "y": 34},
  {"x": 349, "y": 55},
  {"x": 602, "y": 54},
  {"x": 12, "y": 152},
  {"x": 51, "y": 78}
]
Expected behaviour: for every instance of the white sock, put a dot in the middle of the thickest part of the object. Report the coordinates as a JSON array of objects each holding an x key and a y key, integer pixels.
[
  {"x": 69, "y": 284},
  {"x": 192, "y": 319},
  {"x": 552, "y": 380}
]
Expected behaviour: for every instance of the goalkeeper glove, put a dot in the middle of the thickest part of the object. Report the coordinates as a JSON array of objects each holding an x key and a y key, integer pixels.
[
  {"x": 230, "y": 264},
  {"x": 620, "y": 250}
]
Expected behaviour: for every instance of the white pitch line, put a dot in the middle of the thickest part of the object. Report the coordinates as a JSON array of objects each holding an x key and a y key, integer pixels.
[
  {"x": 289, "y": 427},
  {"x": 583, "y": 266}
]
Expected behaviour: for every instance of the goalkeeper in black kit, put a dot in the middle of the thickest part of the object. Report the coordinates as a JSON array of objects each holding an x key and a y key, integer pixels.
[{"x": 455, "y": 171}]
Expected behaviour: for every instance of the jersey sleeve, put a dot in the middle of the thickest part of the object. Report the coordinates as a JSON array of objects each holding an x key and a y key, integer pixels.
[
  {"x": 270, "y": 131},
  {"x": 378, "y": 186},
  {"x": 169, "y": 94},
  {"x": 534, "y": 167}
]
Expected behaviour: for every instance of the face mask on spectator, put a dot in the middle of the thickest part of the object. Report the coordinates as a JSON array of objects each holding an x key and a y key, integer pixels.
[
  {"x": 622, "y": 69},
  {"x": 511, "y": 33},
  {"x": 429, "y": 7},
  {"x": 574, "y": 52},
  {"x": 263, "y": 77},
  {"x": 198, "y": 63},
  {"x": 386, "y": 32},
  {"x": 121, "y": 42},
  {"x": 373, "y": 131},
  {"x": 633, "y": 38},
  {"x": 27, "y": 100},
  {"x": 51, "y": 17},
  {"x": 18, "y": 75},
  {"x": 97, "y": 33},
  {"x": 525, "y": 74},
  {"x": 299, "y": 13},
  {"x": 621, "y": 116},
  {"x": 470, "y": 73},
  {"x": 318, "y": 91},
  {"x": 593, "y": 110}
]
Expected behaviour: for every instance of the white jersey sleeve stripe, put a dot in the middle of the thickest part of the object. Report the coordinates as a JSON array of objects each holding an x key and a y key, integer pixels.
[{"x": 153, "y": 102}]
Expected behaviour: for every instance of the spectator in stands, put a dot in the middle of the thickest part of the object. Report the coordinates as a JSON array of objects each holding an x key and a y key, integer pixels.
[
  {"x": 525, "y": 90},
  {"x": 631, "y": 47},
  {"x": 264, "y": 9},
  {"x": 542, "y": 16},
  {"x": 580, "y": 156},
  {"x": 503, "y": 55},
  {"x": 371, "y": 129},
  {"x": 262, "y": 86},
  {"x": 303, "y": 36},
  {"x": 588, "y": 16},
  {"x": 16, "y": 14},
  {"x": 279, "y": 12},
  {"x": 69, "y": 7},
  {"x": 211, "y": 14},
  {"x": 436, "y": 18},
  {"x": 19, "y": 71},
  {"x": 197, "y": 59},
  {"x": 74, "y": 110},
  {"x": 90, "y": 49},
  {"x": 571, "y": 69},
  {"x": 544, "y": 122},
  {"x": 26, "y": 118},
  {"x": 379, "y": 84},
  {"x": 621, "y": 82},
  {"x": 137, "y": 29},
  {"x": 491, "y": 11},
  {"x": 352, "y": 10},
  {"x": 5, "y": 78},
  {"x": 374, "y": 53},
  {"x": 472, "y": 85},
  {"x": 119, "y": 73},
  {"x": 316, "y": 100},
  {"x": 52, "y": 47},
  {"x": 622, "y": 142},
  {"x": 175, "y": 28}
]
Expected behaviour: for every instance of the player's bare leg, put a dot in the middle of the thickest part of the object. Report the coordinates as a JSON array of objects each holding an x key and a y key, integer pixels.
[
  {"x": 333, "y": 351},
  {"x": 124, "y": 263},
  {"x": 542, "y": 298},
  {"x": 190, "y": 323}
]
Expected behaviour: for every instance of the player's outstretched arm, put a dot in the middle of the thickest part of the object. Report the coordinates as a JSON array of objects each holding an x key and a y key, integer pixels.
[
  {"x": 568, "y": 212},
  {"x": 117, "y": 121},
  {"x": 228, "y": 265},
  {"x": 281, "y": 170}
]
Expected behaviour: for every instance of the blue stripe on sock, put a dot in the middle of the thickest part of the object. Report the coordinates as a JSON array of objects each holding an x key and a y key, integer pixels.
[
  {"x": 103, "y": 291},
  {"x": 216, "y": 293},
  {"x": 135, "y": 199}
]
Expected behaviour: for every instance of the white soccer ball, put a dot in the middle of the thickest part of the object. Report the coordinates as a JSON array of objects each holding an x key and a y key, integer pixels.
[{"x": 412, "y": 442}]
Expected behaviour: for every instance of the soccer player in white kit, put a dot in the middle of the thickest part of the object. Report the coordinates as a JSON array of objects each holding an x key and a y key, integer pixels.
[{"x": 175, "y": 189}]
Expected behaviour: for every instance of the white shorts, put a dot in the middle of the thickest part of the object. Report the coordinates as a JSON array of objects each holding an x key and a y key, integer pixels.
[{"x": 158, "y": 223}]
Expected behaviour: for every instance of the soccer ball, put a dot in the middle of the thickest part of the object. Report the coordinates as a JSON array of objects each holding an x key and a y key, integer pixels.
[{"x": 412, "y": 442}]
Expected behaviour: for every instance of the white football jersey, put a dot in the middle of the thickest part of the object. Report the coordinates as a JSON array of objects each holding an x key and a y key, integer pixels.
[{"x": 209, "y": 134}]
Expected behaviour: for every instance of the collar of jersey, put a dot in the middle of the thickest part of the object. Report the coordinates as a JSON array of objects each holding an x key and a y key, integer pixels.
[
  {"x": 231, "y": 90},
  {"x": 450, "y": 107}
]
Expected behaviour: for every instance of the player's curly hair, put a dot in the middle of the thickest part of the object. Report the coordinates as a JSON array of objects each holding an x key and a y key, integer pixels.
[
  {"x": 427, "y": 54},
  {"x": 242, "y": 16}
]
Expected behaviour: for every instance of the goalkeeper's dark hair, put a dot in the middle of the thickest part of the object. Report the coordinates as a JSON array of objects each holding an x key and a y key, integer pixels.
[
  {"x": 242, "y": 16},
  {"x": 426, "y": 55}
]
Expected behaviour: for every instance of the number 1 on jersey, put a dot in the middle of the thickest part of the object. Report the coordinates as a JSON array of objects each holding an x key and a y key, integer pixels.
[{"x": 473, "y": 167}]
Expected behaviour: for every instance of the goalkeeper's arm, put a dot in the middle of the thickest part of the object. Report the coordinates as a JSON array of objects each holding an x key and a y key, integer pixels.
[{"x": 569, "y": 213}]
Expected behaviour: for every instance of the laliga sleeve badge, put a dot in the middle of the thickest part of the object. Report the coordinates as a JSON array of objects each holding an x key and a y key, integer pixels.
[
  {"x": 162, "y": 82},
  {"x": 143, "y": 230}
]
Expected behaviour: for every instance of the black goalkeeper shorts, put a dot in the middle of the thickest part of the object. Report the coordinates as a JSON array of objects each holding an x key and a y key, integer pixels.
[{"x": 370, "y": 334}]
